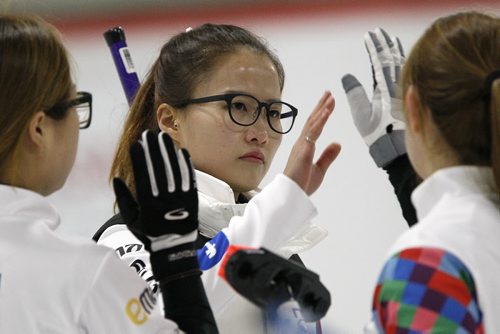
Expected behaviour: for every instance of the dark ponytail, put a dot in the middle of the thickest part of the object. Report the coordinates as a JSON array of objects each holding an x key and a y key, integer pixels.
[{"x": 140, "y": 118}]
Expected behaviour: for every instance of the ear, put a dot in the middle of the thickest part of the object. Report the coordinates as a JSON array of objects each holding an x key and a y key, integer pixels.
[
  {"x": 413, "y": 110},
  {"x": 36, "y": 133},
  {"x": 167, "y": 118}
]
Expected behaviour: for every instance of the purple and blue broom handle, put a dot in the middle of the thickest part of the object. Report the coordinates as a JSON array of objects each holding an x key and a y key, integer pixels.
[{"x": 115, "y": 38}]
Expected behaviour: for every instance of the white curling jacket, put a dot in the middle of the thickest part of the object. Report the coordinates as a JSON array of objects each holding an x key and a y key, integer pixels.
[
  {"x": 459, "y": 211},
  {"x": 277, "y": 218},
  {"x": 50, "y": 284}
]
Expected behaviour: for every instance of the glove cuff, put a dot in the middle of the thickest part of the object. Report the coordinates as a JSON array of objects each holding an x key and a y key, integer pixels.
[
  {"x": 388, "y": 147},
  {"x": 174, "y": 263},
  {"x": 172, "y": 240}
]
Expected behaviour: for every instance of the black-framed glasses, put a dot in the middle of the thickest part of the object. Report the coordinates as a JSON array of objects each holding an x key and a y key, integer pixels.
[
  {"x": 245, "y": 110},
  {"x": 83, "y": 104}
]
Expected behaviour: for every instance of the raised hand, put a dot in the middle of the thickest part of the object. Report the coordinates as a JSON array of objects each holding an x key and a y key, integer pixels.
[
  {"x": 300, "y": 166},
  {"x": 165, "y": 215},
  {"x": 380, "y": 121}
]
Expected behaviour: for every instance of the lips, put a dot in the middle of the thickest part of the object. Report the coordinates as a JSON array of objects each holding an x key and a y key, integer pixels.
[{"x": 255, "y": 156}]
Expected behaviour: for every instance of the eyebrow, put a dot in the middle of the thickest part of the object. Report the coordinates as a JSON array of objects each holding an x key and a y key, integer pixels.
[{"x": 246, "y": 93}]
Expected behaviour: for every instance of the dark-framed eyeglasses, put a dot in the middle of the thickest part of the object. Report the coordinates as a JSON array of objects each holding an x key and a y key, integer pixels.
[
  {"x": 83, "y": 105},
  {"x": 245, "y": 110}
]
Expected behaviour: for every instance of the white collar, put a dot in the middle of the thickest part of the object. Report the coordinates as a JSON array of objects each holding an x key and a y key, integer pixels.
[
  {"x": 216, "y": 204},
  {"x": 28, "y": 204},
  {"x": 215, "y": 188},
  {"x": 217, "y": 207},
  {"x": 456, "y": 180}
]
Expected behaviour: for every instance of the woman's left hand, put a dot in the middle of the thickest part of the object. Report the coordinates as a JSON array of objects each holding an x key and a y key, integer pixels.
[{"x": 300, "y": 166}]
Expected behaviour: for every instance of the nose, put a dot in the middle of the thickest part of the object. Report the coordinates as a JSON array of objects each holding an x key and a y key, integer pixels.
[{"x": 259, "y": 131}]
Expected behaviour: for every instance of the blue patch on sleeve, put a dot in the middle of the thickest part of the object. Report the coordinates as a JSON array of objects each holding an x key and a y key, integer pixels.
[{"x": 213, "y": 251}]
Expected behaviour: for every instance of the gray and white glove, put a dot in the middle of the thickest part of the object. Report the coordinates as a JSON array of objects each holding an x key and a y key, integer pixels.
[{"x": 380, "y": 121}]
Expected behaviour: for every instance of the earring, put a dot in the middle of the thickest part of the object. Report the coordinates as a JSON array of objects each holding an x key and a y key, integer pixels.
[{"x": 176, "y": 125}]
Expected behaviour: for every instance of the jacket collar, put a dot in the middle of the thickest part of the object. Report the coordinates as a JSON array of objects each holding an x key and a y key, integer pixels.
[
  {"x": 457, "y": 181},
  {"x": 215, "y": 188},
  {"x": 28, "y": 205},
  {"x": 216, "y": 204}
]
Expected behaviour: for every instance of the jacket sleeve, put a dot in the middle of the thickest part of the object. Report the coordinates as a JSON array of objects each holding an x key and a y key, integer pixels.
[
  {"x": 129, "y": 249},
  {"x": 274, "y": 216},
  {"x": 426, "y": 290},
  {"x": 118, "y": 301}
]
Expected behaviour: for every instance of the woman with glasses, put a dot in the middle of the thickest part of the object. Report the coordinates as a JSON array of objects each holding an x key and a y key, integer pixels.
[
  {"x": 51, "y": 284},
  {"x": 216, "y": 90}
]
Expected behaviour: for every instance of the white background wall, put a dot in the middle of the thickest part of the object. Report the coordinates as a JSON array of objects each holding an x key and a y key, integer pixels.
[{"x": 356, "y": 203}]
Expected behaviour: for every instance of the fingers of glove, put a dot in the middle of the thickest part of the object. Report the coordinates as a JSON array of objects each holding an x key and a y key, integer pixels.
[
  {"x": 169, "y": 156},
  {"x": 161, "y": 164},
  {"x": 145, "y": 185},
  {"x": 395, "y": 50},
  {"x": 389, "y": 45},
  {"x": 349, "y": 82},
  {"x": 126, "y": 202},
  {"x": 400, "y": 59},
  {"x": 361, "y": 109},
  {"x": 381, "y": 59},
  {"x": 401, "y": 50},
  {"x": 389, "y": 48},
  {"x": 149, "y": 162},
  {"x": 187, "y": 171},
  {"x": 378, "y": 56}
]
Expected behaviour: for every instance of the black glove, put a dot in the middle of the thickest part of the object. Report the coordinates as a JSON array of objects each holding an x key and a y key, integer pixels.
[
  {"x": 165, "y": 215},
  {"x": 268, "y": 280}
]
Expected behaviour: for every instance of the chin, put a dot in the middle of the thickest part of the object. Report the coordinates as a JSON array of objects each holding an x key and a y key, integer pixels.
[
  {"x": 244, "y": 188},
  {"x": 249, "y": 184},
  {"x": 242, "y": 179}
]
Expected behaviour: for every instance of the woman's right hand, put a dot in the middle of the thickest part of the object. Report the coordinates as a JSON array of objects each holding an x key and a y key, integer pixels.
[{"x": 300, "y": 166}]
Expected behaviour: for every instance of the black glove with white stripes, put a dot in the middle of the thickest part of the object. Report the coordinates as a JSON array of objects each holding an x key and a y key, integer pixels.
[{"x": 165, "y": 215}]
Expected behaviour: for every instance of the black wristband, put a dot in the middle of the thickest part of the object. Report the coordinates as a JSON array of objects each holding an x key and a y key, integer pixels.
[
  {"x": 185, "y": 302},
  {"x": 404, "y": 180},
  {"x": 174, "y": 261}
]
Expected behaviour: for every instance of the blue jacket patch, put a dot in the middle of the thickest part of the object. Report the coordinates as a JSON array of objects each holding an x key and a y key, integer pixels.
[{"x": 213, "y": 251}]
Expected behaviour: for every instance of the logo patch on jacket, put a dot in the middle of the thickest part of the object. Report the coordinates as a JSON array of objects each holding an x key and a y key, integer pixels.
[{"x": 213, "y": 251}]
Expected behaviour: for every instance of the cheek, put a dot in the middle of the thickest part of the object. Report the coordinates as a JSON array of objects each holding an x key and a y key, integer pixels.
[
  {"x": 71, "y": 138},
  {"x": 274, "y": 144},
  {"x": 208, "y": 132},
  {"x": 207, "y": 145}
]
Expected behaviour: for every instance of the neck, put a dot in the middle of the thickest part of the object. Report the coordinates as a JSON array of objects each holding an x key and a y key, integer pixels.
[
  {"x": 26, "y": 173},
  {"x": 438, "y": 156},
  {"x": 437, "y": 165},
  {"x": 430, "y": 149}
]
